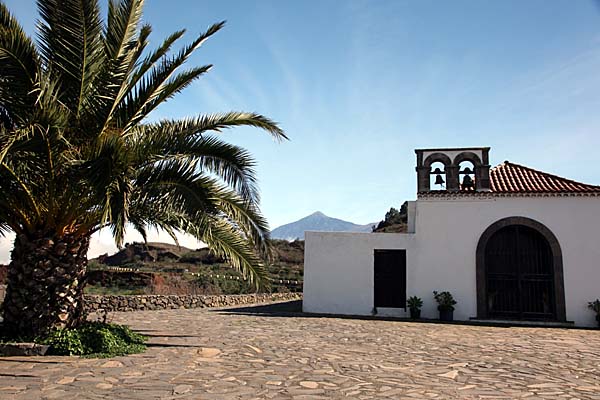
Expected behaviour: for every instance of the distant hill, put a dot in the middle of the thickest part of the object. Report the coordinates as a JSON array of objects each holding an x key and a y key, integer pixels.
[
  {"x": 149, "y": 252},
  {"x": 317, "y": 222},
  {"x": 161, "y": 268},
  {"x": 285, "y": 252}
]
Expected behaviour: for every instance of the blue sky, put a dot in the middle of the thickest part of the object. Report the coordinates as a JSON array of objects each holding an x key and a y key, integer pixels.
[{"x": 358, "y": 85}]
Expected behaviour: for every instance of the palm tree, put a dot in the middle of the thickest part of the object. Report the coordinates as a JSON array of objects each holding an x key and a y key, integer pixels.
[{"x": 77, "y": 154}]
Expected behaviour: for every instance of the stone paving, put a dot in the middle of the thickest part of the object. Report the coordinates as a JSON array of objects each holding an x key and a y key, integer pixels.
[{"x": 247, "y": 354}]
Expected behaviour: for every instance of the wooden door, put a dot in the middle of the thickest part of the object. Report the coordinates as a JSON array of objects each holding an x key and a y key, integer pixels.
[
  {"x": 520, "y": 275},
  {"x": 390, "y": 278}
]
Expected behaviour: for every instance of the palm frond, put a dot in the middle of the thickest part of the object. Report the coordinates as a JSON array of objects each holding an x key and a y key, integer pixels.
[
  {"x": 124, "y": 46},
  {"x": 187, "y": 190},
  {"x": 19, "y": 65},
  {"x": 171, "y": 194},
  {"x": 225, "y": 241},
  {"x": 162, "y": 82},
  {"x": 4, "y": 229},
  {"x": 76, "y": 156},
  {"x": 151, "y": 59},
  {"x": 216, "y": 122},
  {"x": 109, "y": 176},
  {"x": 71, "y": 45},
  {"x": 122, "y": 26},
  {"x": 17, "y": 194},
  {"x": 232, "y": 164},
  {"x": 247, "y": 218}
]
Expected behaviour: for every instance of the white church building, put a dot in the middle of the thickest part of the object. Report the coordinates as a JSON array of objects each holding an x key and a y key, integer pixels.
[{"x": 509, "y": 242}]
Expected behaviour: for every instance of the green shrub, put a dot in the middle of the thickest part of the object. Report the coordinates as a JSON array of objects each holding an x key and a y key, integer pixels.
[
  {"x": 114, "y": 290},
  {"x": 95, "y": 339},
  {"x": 223, "y": 284},
  {"x": 65, "y": 342},
  {"x": 414, "y": 303},
  {"x": 393, "y": 217},
  {"x": 595, "y": 306},
  {"x": 445, "y": 300}
]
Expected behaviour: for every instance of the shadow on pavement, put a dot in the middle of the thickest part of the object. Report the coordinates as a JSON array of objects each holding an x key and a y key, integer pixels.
[
  {"x": 294, "y": 309},
  {"x": 151, "y": 335},
  {"x": 172, "y": 345},
  {"x": 272, "y": 309}
]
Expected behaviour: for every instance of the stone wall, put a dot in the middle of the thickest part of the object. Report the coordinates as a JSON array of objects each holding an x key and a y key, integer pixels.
[{"x": 161, "y": 302}]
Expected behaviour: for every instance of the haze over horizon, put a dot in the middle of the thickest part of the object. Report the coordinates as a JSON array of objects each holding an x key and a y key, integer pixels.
[{"x": 358, "y": 85}]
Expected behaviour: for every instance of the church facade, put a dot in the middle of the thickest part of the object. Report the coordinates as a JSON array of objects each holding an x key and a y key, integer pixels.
[{"x": 510, "y": 243}]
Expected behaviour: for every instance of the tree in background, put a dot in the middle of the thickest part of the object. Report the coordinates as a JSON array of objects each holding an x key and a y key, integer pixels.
[
  {"x": 394, "y": 218},
  {"x": 77, "y": 154}
]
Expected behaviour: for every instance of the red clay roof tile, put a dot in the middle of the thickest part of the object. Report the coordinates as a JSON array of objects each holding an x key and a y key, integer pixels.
[{"x": 514, "y": 178}]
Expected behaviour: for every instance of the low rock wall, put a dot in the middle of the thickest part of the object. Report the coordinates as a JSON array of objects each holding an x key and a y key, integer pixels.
[{"x": 162, "y": 302}]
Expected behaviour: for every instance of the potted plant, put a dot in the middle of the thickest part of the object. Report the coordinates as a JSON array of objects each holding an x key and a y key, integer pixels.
[
  {"x": 414, "y": 305},
  {"x": 595, "y": 307},
  {"x": 445, "y": 305}
]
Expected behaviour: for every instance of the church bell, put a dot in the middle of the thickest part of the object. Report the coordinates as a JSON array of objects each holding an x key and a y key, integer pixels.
[
  {"x": 467, "y": 183},
  {"x": 438, "y": 177}
]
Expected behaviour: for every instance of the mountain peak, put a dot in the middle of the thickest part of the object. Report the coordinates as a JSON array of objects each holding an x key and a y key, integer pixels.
[{"x": 316, "y": 221}]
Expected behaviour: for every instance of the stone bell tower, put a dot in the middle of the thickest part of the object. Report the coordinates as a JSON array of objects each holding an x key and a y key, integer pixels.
[{"x": 473, "y": 178}]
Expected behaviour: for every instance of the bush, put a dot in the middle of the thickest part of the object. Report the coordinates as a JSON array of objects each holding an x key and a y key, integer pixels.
[
  {"x": 94, "y": 265},
  {"x": 65, "y": 342},
  {"x": 97, "y": 339},
  {"x": 445, "y": 300},
  {"x": 414, "y": 303},
  {"x": 595, "y": 306},
  {"x": 222, "y": 285}
]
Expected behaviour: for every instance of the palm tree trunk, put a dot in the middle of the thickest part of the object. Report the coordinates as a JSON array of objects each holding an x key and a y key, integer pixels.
[{"x": 45, "y": 284}]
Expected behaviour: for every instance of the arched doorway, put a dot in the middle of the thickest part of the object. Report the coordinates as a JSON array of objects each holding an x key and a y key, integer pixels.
[{"x": 519, "y": 272}]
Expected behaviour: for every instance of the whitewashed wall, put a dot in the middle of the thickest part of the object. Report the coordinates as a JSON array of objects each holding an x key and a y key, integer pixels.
[
  {"x": 338, "y": 269},
  {"x": 441, "y": 254}
]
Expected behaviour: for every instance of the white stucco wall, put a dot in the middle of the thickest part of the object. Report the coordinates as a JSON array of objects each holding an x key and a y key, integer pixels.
[
  {"x": 441, "y": 254},
  {"x": 338, "y": 269}
]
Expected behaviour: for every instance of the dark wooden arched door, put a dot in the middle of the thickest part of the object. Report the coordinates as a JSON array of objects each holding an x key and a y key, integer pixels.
[{"x": 519, "y": 275}]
